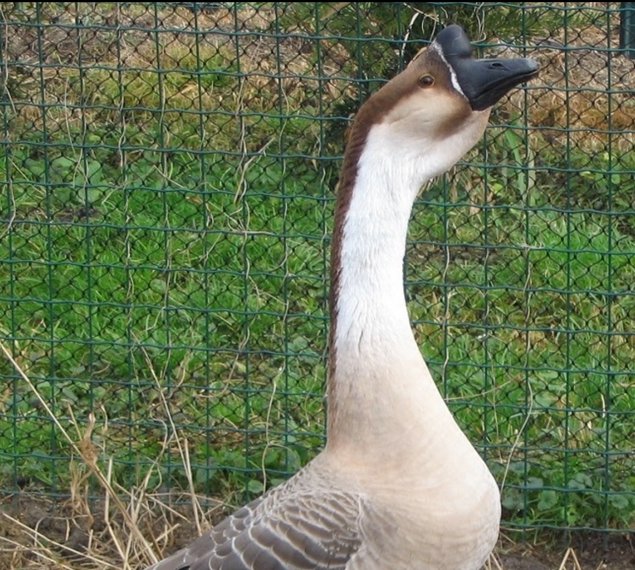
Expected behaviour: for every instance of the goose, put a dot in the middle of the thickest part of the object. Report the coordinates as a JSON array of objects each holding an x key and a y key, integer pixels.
[{"x": 398, "y": 486}]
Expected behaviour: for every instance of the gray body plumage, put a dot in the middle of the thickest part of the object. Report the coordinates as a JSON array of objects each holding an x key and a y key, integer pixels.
[{"x": 304, "y": 524}]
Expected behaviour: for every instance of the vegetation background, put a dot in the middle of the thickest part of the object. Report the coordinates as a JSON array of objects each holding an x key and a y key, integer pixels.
[{"x": 168, "y": 172}]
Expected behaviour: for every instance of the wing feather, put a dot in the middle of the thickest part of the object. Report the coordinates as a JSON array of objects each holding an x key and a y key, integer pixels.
[{"x": 293, "y": 527}]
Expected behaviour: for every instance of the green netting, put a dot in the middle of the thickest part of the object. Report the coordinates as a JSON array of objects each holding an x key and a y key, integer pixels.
[{"x": 167, "y": 176}]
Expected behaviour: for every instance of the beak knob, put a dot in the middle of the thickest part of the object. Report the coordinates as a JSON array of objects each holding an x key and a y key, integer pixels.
[{"x": 483, "y": 81}]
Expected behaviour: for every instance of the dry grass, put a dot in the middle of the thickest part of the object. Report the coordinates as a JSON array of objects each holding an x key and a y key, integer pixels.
[
  {"x": 102, "y": 525},
  {"x": 119, "y": 69},
  {"x": 571, "y": 100},
  {"x": 583, "y": 95}
]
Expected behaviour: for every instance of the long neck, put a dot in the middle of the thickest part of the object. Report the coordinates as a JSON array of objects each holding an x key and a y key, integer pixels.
[
  {"x": 378, "y": 383},
  {"x": 368, "y": 306}
]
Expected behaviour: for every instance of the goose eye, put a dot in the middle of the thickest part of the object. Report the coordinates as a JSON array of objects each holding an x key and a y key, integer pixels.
[{"x": 426, "y": 81}]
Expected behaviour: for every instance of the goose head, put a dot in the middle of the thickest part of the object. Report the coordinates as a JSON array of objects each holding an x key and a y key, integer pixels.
[{"x": 438, "y": 107}]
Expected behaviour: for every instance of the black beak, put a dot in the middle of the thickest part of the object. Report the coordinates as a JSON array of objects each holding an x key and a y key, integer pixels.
[{"x": 483, "y": 81}]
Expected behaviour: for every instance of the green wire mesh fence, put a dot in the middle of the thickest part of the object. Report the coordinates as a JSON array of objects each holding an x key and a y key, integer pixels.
[{"x": 167, "y": 176}]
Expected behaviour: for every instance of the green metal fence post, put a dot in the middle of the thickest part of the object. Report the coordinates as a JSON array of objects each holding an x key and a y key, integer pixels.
[{"x": 627, "y": 28}]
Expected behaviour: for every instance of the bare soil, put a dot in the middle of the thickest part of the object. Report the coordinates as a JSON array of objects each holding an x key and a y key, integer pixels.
[{"x": 588, "y": 551}]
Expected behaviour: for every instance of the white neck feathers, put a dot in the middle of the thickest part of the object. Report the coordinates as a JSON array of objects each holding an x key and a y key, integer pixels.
[
  {"x": 377, "y": 366},
  {"x": 370, "y": 312},
  {"x": 371, "y": 308},
  {"x": 379, "y": 384}
]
